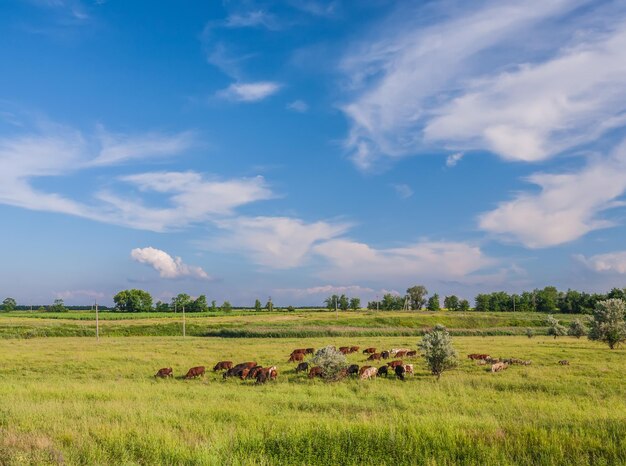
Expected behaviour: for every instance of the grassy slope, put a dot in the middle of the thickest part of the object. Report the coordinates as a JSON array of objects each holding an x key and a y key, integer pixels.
[
  {"x": 250, "y": 324},
  {"x": 79, "y": 401}
]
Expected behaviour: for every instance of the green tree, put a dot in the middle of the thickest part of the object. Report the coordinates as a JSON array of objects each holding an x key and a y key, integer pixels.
[
  {"x": 331, "y": 361},
  {"x": 344, "y": 302},
  {"x": 257, "y": 305},
  {"x": 464, "y": 305},
  {"x": 226, "y": 307},
  {"x": 609, "y": 322},
  {"x": 133, "y": 301},
  {"x": 161, "y": 306},
  {"x": 180, "y": 301},
  {"x": 199, "y": 304},
  {"x": 577, "y": 329},
  {"x": 269, "y": 305},
  {"x": 417, "y": 296},
  {"x": 392, "y": 302},
  {"x": 355, "y": 304},
  {"x": 529, "y": 332},
  {"x": 451, "y": 303},
  {"x": 291, "y": 309},
  {"x": 482, "y": 302},
  {"x": 9, "y": 304},
  {"x": 331, "y": 302},
  {"x": 555, "y": 329},
  {"x": 213, "y": 307},
  {"x": 438, "y": 352},
  {"x": 58, "y": 306},
  {"x": 547, "y": 299},
  {"x": 433, "y": 303}
]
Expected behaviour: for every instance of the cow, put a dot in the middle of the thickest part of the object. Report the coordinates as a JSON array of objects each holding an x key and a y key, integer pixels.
[
  {"x": 395, "y": 351},
  {"x": 354, "y": 349},
  {"x": 299, "y": 350},
  {"x": 564, "y": 362},
  {"x": 165, "y": 372},
  {"x": 382, "y": 370},
  {"x": 368, "y": 373},
  {"x": 401, "y": 354},
  {"x": 309, "y": 351},
  {"x": 296, "y": 357},
  {"x": 344, "y": 349},
  {"x": 353, "y": 369},
  {"x": 316, "y": 372},
  {"x": 408, "y": 369},
  {"x": 244, "y": 373},
  {"x": 394, "y": 364},
  {"x": 223, "y": 365},
  {"x": 363, "y": 369},
  {"x": 384, "y": 355},
  {"x": 261, "y": 378},
  {"x": 369, "y": 350},
  {"x": 400, "y": 370},
  {"x": 477, "y": 356},
  {"x": 236, "y": 371},
  {"x": 194, "y": 372},
  {"x": 499, "y": 366},
  {"x": 411, "y": 354},
  {"x": 374, "y": 357},
  {"x": 302, "y": 367}
]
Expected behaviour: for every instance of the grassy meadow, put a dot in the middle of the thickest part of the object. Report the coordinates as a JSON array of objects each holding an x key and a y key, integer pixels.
[{"x": 77, "y": 401}]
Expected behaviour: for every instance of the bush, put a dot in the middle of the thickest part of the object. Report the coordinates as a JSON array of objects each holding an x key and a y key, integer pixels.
[
  {"x": 609, "y": 322},
  {"x": 331, "y": 361},
  {"x": 438, "y": 352},
  {"x": 555, "y": 329},
  {"x": 577, "y": 329},
  {"x": 529, "y": 332}
]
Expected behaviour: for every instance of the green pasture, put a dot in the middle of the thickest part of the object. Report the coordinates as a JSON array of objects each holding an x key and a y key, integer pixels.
[{"x": 78, "y": 401}]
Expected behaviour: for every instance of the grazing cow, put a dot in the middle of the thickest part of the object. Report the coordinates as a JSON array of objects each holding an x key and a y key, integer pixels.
[
  {"x": 223, "y": 365},
  {"x": 368, "y": 373},
  {"x": 411, "y": 354},
  {"x": 499, "y": 366},
  {"x": 401, "y": 354},
  {"x": 296, "y": 357},
  {"x": 273, "y": 372},
  {"x": 564, "y": 362},
  {"x": 194, "y": 372},
  {"x": 344, "y": 349},
  {"x": 353, "y": 369},
  {"x": 369, "y": 350},
  {"x": 315, "y": 372},
  {"x": 383, "y": 370},
  {"x": 302, "y": 367},
  {"x": 384, "y": 355},
  {"x": 236, "y": 371},
  {"x": 354, "y": 349},
  {"x": 374, "y": 357},
  {"x": 394, "y": 364},
  {"x": 477, "y": 356},
  {"x": 481, "y": 362},
  {"x": 244, "y": 373},
  {"x": 408, "y": 369},
  {"x": 261, "y": 378},
  {"x": 399, "y": 370},
  {"x": 309, "y": 351},
  {"x": 395, "y": 351},
  {"x": 299, "y": 350},
  {"x": 165, "y": 372},
  {"x": 363, "y": 369}
]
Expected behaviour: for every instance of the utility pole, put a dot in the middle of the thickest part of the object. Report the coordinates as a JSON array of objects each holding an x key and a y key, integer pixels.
[
  {"x": 513, "y": 302},
  {"x": 97, "y": 323},
  {"x": 184, "y": 328},
  {"x": 376, "y": 302},
  {"x": 336, "y": 312}
]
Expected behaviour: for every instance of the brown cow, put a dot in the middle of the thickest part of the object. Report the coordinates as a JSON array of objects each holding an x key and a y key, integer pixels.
[
  {"x": 369, "y": 350},
  {"x": 299, "y": 350},
  {"x": 302, "y": 367},
  {"x": 374, "y": 357},
  {"x": 244, "y": 373},
  {"x": 411, "y": 354},
  {"x": 296, "y": 357},
  {"x": 344, "y": 349},
  {"x": 394, "y": 364},
  {"x": 478, "y": 356},
  {"x": 363, "y": 369},
  {"x": 236, "y": 371},
  {"x": 564, "y": 362},
  {"x": 315, "y": 372},
  {"x": 401, "y": 354},
  {"x": 408, "y": 368},
  {"x": 309, "y": 351},
  {"x": 165, "y": 372},
  {"x": 354, "y": 349},
  {"x": 194, "y": 372},
  {"x": 223, "y": 365}
]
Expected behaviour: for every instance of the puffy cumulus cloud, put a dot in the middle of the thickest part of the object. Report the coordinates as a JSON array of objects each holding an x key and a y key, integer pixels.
[
  {"x": 249, "y": 92},
  {"x": 277, "y": 242},
  {"x": 565, "y": 208},
  {"x": 465, "y": 78},
  {"x": 609, "y": 262},
  {"x": 166, "y": 265},
  {"x": 426, "y": 259}
]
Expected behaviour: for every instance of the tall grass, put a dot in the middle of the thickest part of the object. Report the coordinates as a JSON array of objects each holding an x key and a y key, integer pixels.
[{"x": 77, "y": 401}]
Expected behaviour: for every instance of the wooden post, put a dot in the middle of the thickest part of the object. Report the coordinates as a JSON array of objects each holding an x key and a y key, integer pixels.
[{"x": 184, "y": 328}]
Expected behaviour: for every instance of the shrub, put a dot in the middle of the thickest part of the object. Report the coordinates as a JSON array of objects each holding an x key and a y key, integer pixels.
[
  {"x": 577, "y": 329},
  {"x": 529, "y": 332},
  {"x": 437, "y": 349},
  {"x": 555, "y": 329},
  {"x": 609, "y": 322},
  {"x": 331, "y": 361}
]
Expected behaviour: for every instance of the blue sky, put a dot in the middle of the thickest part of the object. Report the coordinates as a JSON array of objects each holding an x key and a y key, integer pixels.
[{"x": 301, "y": 148}]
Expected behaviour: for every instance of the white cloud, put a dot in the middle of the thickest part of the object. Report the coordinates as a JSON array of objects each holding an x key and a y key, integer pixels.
[
  {"x": 258, "y": 18},
  {"x": 453, "y": 159},
  {"x": 250, "y": 92},
  {"x": 72, "y": 294},
  {"x": 276, "y": 242},
  {"x": 608, "y": 262},
  {"x": 166, "y": 265},
  {"x": 403, "y": 190},
  {"x": 472, "y": 79},
  {"x": 567, "y": 206},
  {"x": 325, "y": 290},
  {"x": 299, "y": 106},
  {"x": 351, "y": 260}
]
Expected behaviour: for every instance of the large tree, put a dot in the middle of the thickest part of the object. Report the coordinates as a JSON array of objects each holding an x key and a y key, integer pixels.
[
  {"x": 555, "y": 329},
  {"x": 9, "y": 304},
  {"x": 417, "y": 296},
  {"x": 344, "y": 302},
  {"x": 58, "y": 306},
  {"x": 609, "y": 322},
  {"x": 181, "y": 300},
  {"x": 438, "y": 351},
  {"x": 199, "y": 304},
  {"x": 451, "y": 303},
  {"x": 355, "y": 304},
  {"x": 433, "y": 303},
  {"x": 133, "y": 301}
]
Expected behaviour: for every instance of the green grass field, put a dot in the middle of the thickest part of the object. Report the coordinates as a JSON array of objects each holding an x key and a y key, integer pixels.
[{"x": 78, "y": 401}]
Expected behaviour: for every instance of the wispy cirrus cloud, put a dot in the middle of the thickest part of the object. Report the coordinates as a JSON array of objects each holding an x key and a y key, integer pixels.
[
  {"x": 166, "y": 265},
  {"x": 250, "y": 92}
]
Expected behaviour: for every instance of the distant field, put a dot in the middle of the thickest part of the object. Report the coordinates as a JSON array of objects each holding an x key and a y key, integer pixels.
[
  {"x": 77, "y": 401},
  {"x": 312, "y": 323}
]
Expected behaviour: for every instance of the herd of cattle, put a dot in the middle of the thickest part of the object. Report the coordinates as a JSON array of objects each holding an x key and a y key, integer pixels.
[{"x": 253, "y": 371}]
